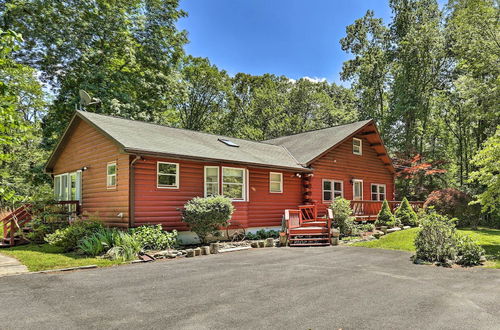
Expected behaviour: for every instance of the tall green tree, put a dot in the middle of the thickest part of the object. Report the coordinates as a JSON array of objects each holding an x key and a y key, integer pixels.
[
  {"x": 208, "y": 96},
  {"x": 124, "y": 52},
  {"x": 21, "y": 106},
  {"x": 367, "y": 39}
]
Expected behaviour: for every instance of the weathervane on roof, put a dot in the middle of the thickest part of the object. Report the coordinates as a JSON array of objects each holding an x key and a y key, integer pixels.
[{"x": 86, "y": 100}]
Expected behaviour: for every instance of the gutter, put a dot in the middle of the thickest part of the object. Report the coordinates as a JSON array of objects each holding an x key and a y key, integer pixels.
[{"x": 205, "y": 159}]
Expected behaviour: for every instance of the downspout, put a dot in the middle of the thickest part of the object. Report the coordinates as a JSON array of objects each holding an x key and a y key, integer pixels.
[{"x": 131, "y": 192}]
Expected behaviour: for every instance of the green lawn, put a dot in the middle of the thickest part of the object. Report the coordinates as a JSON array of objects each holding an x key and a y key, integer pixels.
[
  {"x": 44, "y": 257},
  {"x": 489, "y": 239}
]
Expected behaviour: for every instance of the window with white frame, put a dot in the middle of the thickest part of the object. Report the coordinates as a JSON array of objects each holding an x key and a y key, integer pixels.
[
  {"x": 167, "y": 175},
  {"x": 357, "y": 146},
  {"x": 211, "y": 180},
  {"x": 332, "y": 189},
  {"x": 68, "y": 186},
  {"x": 275, "y": 182},
  {"x": 234, "y": 183},
  {"x": 378, "y": 192},
  {"x": 111, "y": 175},
  {"x": 357, "y": 189}
]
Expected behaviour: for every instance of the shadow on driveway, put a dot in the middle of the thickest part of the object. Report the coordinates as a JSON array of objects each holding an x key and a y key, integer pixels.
[{"x": 286, "y": 288}]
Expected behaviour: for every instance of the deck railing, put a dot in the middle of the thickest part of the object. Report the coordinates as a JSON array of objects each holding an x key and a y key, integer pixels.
[
  {"x": 370, "y": 209},
  {"x": 14, "y": 222}
]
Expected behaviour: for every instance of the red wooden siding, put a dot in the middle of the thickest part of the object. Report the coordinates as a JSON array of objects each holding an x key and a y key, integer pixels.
[
  {"x": 159, "y": 205},
  {"x": 88, "y": 147},
  {"x": 341, "y": 164}
]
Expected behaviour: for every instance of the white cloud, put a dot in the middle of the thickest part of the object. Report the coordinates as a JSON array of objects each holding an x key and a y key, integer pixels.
[{"x": 315, "y": 79}]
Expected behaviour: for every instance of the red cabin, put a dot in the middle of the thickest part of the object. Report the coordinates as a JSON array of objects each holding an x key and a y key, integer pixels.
[{"x": 131, "y": 173}]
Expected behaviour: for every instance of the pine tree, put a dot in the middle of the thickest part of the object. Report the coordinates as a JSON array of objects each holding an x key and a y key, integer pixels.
[
  {"x": 385, "y": 216},
  {"x": 405, "y": 214}
]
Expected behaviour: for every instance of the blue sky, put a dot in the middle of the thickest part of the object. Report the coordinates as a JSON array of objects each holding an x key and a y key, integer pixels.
[{"x": 295, "y": 38}]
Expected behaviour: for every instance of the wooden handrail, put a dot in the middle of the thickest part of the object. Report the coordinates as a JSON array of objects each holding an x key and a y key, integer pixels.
[
  {"x": 369, "y": 207},
  {"x": 21, "y": 216}
]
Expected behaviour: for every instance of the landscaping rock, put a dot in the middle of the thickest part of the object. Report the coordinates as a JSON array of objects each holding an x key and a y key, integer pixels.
[
  {"x": 254, "y": 244},
  {"x": 384, "y": 229},
  {"x": 270, "y": 242},
  {"x": 214, "y": 248},
  {"x": 197, "y": 251},
  {"x": 406, "y": 227},
  {"x": 378, "y": 234},
  {"x": 335, "y": 240},
  {"x": 262, "y": 244},
  {"x": 392, "y": 230},
  {"x": 205, "y": 250},
  {"x": 190, "y": 253}
]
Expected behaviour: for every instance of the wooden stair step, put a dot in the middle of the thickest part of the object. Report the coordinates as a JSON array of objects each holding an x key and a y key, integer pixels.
[
  {"x": 309, "y": 244},
  {"x": 309, "y": 239}
]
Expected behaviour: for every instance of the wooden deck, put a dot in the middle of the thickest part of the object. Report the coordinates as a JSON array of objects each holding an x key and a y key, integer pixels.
[{"x": 366, "y": 210}]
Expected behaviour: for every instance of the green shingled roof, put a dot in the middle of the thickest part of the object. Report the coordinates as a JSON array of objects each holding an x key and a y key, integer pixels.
[
  {"x": 137, "y": 136},
  {"x": 305, "y": 147}
]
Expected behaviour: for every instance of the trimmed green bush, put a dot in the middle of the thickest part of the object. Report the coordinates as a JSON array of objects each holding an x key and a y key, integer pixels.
[
  {"x": 405, "y": 214},
  {"x": 436, "y": 241},
  {"x": 469, "y": 252},
  {"x": 206, "y": 215},
  {"x": 69, "y": 237},
  {"x": 385, "y": 216},
  {"x": 342, "y": 216},
  {"x": 154, "y": 238}
]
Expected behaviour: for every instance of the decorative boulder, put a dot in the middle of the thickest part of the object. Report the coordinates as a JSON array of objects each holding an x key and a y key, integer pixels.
[
  {"x": 205, "y": 250},
  {"x": 270, "y": 242},
  {"x": 197, "y": 251},
  {"x": 214, "y": 248},
  {"x": 262, "y": 244},
  {"x": 190, "y": 253}
]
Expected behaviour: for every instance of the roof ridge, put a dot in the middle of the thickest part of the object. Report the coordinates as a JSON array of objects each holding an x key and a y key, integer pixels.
[
  {"x": 176, "y": 128},
  {"x": 315, "y": 130}
]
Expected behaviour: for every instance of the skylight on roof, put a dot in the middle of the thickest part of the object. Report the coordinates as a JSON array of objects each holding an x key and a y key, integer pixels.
[{"x": 228, "y": 143}]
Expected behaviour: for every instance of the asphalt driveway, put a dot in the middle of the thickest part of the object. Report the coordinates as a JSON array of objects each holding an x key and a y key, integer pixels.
[{"x": 286, "y": 288}]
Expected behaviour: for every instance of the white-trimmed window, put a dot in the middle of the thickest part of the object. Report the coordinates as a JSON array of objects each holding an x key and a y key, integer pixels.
[
  {"x": 234, "y": 183},
  {"x": 357, "y": 146},
  {"x": 111, "y": 175},
  {"x": 167, "y": 175},
  {"x": 332, "y": 189},
  {"x": 211, "y": 180},
  {"x": 68, "y": 186},
  {"x": 275, "y": 182},
  {"x": 378, "y": 192},
  {"x": 357, "y": 189}
]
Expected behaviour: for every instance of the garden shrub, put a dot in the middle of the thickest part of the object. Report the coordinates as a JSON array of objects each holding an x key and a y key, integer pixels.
[
  {"x": 385, "y": 216},
  {"x": 342, "y": 216},
  {"x": 69, "y": 237},
  {"x": 154, "y": 238},
  {"x": 41, "y": 228},
  {"x": 206, "y": 215},
  {"x": 366, "y": 227},
  {"x": 468, "y": 251},
  {"x": 405, "y": 214},
  {"x": 125, "y": 247},
  {"x": 97, "y": 243},
  {"x": 262, "y": 234},
  {"x": 436, "y": 241},
  {"x": 455, "y": 204}
]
